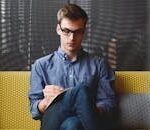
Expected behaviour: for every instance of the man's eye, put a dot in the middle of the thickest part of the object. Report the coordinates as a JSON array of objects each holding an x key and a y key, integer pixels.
[{"x": 66, "y": 30}]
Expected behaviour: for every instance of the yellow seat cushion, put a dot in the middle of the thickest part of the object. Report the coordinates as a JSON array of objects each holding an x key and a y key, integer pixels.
[
  {"x": 132, "y": 82},
  {"x": 14, "y": 105}
]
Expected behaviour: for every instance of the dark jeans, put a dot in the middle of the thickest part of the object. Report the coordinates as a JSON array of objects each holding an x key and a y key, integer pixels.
[
  {"x": 72, "y": 110},
  {"x": 72, "y": 123}
]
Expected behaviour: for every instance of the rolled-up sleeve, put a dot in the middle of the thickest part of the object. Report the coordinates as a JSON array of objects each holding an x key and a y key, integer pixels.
[
  {"x": 105, "y": 92},
  {"x": 36, "y": 90}
]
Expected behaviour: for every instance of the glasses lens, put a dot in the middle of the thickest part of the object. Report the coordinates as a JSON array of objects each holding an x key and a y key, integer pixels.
[{"x": 68, "y": 32}]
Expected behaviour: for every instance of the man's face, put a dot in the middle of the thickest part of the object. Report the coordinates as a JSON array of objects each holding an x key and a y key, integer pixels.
[{"x": 71, "y": 34}]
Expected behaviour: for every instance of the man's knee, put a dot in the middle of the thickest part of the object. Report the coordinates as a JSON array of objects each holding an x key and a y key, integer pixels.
[
  {"x": 84, "y": 94},
  {"x": 71, "y": 123}
]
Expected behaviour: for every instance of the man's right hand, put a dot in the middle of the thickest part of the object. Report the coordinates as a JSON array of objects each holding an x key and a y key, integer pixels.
[{"x": 50, "y": 93}]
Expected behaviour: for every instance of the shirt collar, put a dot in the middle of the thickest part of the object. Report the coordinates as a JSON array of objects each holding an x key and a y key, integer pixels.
[{"x": 64, "y": 56}]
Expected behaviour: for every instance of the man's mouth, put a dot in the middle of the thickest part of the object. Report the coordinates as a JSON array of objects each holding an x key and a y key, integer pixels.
[{"x": 71, "y": 44}]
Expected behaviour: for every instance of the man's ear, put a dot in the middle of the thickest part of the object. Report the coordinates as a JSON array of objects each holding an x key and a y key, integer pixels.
[{"x": 58, "y": 29}]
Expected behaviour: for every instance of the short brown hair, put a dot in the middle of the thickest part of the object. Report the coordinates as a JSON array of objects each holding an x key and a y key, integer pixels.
[{"x": 72, "y": 12}]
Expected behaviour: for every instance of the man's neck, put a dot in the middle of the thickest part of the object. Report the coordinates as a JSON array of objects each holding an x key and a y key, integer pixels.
[{"x": 72, "y": 56}]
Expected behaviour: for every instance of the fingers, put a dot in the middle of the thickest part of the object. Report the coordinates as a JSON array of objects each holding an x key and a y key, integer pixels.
[
  {"x": 52, "y": 90},
  {"x": 50, "y": 93}
]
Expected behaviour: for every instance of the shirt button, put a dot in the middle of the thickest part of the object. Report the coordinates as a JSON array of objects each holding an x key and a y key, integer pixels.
[{"x": 70, "y": 76}]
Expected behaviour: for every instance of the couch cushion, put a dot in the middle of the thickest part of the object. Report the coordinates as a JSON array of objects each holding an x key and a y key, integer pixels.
[
  {"x": 14, "y": 105},
  {"x": 132, "y": 82},
  {"x": 135, "y": 110},
  {"x": 133, "y": 88}
]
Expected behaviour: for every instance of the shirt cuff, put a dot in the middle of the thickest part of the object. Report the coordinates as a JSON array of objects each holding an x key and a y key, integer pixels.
[{"x": 36, "y": 114}]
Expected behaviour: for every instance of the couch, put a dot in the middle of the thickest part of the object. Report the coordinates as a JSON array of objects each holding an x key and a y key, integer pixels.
[{"x": 132, "y": 88}]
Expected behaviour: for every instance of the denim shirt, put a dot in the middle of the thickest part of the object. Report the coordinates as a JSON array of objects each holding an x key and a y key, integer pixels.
[{"x": 57, "y": 69}]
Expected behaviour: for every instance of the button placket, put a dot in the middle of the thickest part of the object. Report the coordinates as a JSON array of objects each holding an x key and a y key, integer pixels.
[{"x": 71, "y": 75}]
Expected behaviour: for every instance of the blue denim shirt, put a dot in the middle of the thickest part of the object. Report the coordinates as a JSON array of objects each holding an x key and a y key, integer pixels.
[{"x": 57, "y": 69}]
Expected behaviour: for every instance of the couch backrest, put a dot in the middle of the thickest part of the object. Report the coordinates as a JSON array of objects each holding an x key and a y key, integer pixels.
[
  {"x": 14, "y": 105},
  {"x": 135, "y": 82},
  {"x": 133, "y": 86}
]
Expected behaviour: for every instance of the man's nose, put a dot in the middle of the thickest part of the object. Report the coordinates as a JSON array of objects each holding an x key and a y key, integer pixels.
[{"x": 72, "y": 36}]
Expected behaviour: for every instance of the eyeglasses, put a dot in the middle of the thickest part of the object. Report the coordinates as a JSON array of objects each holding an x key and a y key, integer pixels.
[{"x": 68, "y": 32}]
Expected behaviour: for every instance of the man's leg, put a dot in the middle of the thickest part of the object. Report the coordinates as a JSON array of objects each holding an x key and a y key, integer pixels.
[
  {"x": 83, "y": 106},
  {"x": 54, "y": 115},
  {"x": 74, "y": 102},
  {"x": 72, "y": 123}
]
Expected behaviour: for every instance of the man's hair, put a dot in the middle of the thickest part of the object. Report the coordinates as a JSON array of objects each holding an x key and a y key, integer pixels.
[{"x": 72, "y": 12}]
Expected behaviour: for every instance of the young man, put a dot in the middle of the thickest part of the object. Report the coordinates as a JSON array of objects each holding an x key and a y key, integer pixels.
[{"x": 69, "y": 86}]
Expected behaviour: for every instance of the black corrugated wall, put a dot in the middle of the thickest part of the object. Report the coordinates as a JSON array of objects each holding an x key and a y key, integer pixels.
[{"x": 117, "y": 30}]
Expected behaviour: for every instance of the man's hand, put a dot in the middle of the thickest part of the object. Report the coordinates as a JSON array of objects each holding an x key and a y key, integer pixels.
[{"x": 50, "y": 93}]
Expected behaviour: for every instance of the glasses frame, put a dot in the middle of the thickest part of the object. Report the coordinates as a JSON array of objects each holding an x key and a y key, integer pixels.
[{"x": 68, "y": 32}]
